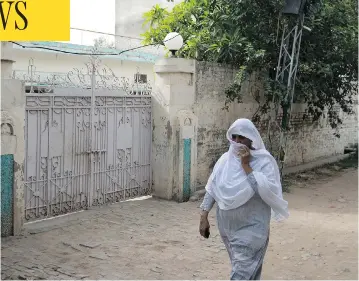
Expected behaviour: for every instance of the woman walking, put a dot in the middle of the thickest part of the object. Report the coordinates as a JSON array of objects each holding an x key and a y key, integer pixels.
[{"x": 245, "y": 183}]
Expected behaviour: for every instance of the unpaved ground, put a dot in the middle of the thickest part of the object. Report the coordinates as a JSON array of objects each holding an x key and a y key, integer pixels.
[{"x": 159, "y": 240}]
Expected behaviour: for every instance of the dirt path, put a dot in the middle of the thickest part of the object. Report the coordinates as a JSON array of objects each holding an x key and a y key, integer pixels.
[{"x": 158, "y": 240}]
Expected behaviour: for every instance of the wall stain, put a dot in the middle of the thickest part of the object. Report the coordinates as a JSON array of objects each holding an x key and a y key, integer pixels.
[
  {"x": 169, "y": 130},
  {"x": 18, "y": 167}
]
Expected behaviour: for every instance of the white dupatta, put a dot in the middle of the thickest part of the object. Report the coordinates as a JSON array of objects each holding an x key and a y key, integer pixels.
[{"x": 228, "y": 183}]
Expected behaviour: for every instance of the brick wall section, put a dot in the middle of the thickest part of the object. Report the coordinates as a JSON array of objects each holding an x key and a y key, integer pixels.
[
  {"x": 213, "y": 121},
  {"x": 306, "y": 142}
]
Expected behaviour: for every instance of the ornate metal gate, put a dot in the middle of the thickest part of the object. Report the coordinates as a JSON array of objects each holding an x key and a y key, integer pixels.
[{"x": 88, "y": 141}]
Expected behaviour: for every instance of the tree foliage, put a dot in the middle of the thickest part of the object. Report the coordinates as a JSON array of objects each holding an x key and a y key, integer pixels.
[
  {"x": 246, "y": 34},
  {"x": 103, "y": 42}
]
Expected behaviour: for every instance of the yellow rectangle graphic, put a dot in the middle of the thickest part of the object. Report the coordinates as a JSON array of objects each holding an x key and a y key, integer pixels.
[{"x": 35, "y": 20}]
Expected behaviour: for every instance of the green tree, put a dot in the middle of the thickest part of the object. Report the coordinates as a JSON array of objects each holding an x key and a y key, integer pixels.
[{"x": 246, "y": 34}]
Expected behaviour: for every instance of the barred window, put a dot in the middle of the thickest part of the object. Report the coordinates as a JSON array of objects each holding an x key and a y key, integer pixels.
[
  {"x": 36, "y": 89},
  {"x": 141, "y": 78}
]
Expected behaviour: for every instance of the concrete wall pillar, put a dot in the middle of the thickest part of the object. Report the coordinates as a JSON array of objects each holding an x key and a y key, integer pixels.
[
  {"x": 12, "y": 136},
  {"x": 7, "y": 59},
  {"x": 187, "y": 154},
  {"x": 174, "y": 153}
]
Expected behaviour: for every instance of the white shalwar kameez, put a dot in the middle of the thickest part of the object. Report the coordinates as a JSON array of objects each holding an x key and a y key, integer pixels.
[{"x": 245, "y": 202}]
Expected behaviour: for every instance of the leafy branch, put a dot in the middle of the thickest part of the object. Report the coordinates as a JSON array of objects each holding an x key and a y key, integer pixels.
[{"x": 246, "y": 35}]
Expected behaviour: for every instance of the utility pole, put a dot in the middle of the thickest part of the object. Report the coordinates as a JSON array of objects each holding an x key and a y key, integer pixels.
[{"x": 287, "y": 68}]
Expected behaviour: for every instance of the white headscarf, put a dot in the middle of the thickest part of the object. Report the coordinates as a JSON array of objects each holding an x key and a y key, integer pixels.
[{"x": 228, "y": 183}]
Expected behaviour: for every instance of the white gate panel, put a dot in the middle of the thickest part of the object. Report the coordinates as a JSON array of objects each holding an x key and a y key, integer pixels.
[
  {"x": 69, "y": 145},
  {"x": 85, "y": 146},
  {"x": 122, "y": 148},
  {"x": 36, "y": 184},
  {"x": 57, "y": 166}
]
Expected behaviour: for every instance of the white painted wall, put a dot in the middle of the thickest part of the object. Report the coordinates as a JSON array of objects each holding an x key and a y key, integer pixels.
[{"x": 63, "y": 63}]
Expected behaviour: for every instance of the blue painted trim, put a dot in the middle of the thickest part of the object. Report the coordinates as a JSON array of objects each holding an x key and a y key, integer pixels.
[
  {"x": 186, "y": 169},
  {"x": 7, "y": 183}
]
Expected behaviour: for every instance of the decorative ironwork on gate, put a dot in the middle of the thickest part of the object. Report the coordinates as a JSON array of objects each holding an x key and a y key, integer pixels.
[
  {"x": 88, "y": 140},
  {"x": 104, "y": 78}
]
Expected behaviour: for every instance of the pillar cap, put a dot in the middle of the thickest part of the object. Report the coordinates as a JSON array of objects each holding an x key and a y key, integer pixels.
[
  {"x": 175, "y": 65},
  {"x": 7, "y": 52}
]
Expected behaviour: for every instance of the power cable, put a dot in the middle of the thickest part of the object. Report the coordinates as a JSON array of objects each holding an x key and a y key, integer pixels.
[{"x": 89, "y": 54}]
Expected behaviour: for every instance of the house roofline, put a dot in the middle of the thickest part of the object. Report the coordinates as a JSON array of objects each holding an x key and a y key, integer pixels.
[{"x": 132, "y": 55}]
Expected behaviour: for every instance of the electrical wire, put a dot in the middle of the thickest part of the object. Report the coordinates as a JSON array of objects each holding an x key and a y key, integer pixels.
[
  {"x": 80, "y": 53},
  {"x": 89, "y": 54}
]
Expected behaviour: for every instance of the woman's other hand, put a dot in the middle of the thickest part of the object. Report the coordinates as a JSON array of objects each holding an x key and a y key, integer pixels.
[{"x": 204, "y": 224}]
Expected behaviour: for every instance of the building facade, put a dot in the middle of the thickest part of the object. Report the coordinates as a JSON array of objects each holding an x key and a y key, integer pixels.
[{"x": 37, "y": 60}]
